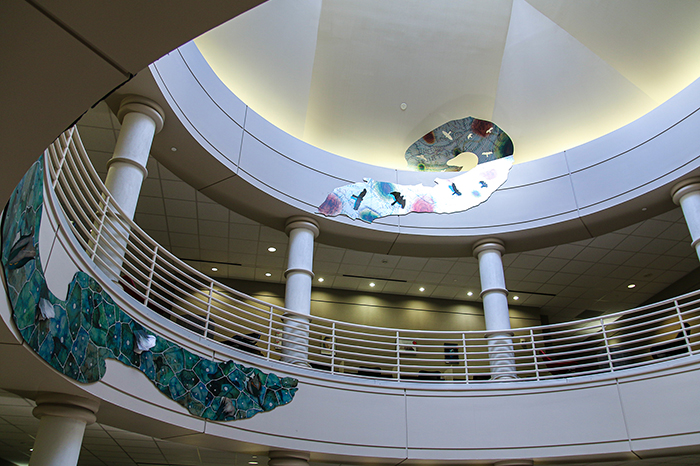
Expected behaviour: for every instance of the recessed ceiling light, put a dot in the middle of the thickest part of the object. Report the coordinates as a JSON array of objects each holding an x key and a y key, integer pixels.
[
  {"x": 214, "y": 269},
  {"x": 320, "y": 279},
  {"x": 372, "y": 284},
  {"x": 404, "y": 106},
  {"x": 516, "y": 298},
  {"x": 421, "y": 289},
  {"x": 268, "y": 274},
  {"x": 631, "y": 285},
  {"x": 644, "y": 209},
  {"x": 252, "y": 462},
  {"x": 174, "y": 149},
  {"x": 469, "y": 293},
  {"x": 272, "y": 249}
]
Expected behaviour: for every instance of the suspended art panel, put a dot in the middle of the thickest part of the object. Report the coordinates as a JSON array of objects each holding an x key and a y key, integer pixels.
[
  {"x": 75, "y": 336},
  {"x": 370, "y": 199},
  {"x": 480, "y": 137}
]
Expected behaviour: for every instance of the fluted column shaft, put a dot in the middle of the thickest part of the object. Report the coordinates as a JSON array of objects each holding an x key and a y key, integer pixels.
[
  {"x": 141, "y": 120},
  {"x": 302, "y": 232},
  {"x": 495, "y": 298},
  {"x": 687, "y": 195},
  {"x": 63, "y": 419}
]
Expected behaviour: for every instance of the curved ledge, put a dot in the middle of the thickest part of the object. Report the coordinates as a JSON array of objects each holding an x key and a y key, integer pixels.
[{"x": 287, "y": 177}]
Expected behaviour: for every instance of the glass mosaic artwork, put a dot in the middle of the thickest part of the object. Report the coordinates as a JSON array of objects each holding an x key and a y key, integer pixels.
[
  {"x": 480, "y": 137},
  {"x": 75, "y": 336},
  {"x": 370, "y": 199}
]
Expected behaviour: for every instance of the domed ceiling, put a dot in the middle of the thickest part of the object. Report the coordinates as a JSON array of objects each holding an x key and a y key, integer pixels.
[{"x": 552, "y": 74}]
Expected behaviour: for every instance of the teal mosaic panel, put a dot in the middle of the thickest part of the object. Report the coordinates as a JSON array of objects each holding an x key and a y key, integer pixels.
[{"x": 77, "y": 335}]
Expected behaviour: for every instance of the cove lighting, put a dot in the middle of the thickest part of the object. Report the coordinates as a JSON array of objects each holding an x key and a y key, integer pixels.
[
  {"x": 372, "y": 284},
  {"x": 272, "y": 249},
  {"x": 320, "y": 279},
  {"x": 631, "y": 285}
]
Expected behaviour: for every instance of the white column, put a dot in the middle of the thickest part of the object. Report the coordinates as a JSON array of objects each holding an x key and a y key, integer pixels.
[
  {"x": 141, "y": 120},
  {"x": 687, "y": 195},
  {"x": 495, "y": 298},
  {"x": 288, "y": 458},
  {"x": 63, "y": 419},
  {"x": 297, "y": 297}
]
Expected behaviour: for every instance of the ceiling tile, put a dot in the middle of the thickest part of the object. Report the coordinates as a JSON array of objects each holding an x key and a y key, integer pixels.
[
  {"x": 552, "y": 264},
  {"x": 633, "y": 243},
  {"x": 380, "y": 260},
  {"x": 178, "y": 190},
  {"x": 411, "y": 263},
  {"x": 244, "y": 232},
  {"x": 151, "y": 205},
  {"x": 677, "y": 232},
  {"x": 183, "y": 240},
  {"x": 439, "y": 265},
  {"x": 210, "y": 228},
  {"x": 274, "y": 236},
  {"x": 566, "y": 251},
  {"x": 357, "y": 257},
  {"x": 350, "y": 269},
  {"x": 329, "y": 254},
  {"x": 526, "y": 261},
  {"x": 215, "y": 243},
  {"x": 183, "y": 225},
  {"x": 216, "y": 212},
  {"x": 608, "y": 241},
  {"x": 325, "y": 267},
  {"x": 616, "y": 257},
  {"x": 651, "y": 228},
  {"x": 430, "y": 277},
  {"x": 178, "y": 208},
  {"x": 242, "y": 246}
]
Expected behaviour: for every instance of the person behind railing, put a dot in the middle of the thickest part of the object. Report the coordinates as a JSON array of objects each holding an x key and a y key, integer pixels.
[
  {"x": 246, "y": 343},
  {"x": 675, "y": 347}
]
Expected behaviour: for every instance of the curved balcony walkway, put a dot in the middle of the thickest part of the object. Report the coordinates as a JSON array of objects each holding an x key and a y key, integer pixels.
[{"x": 622, "y": 385}]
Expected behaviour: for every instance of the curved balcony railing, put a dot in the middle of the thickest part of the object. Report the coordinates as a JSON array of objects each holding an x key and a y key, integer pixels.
[{"x": 169, "y": 287}]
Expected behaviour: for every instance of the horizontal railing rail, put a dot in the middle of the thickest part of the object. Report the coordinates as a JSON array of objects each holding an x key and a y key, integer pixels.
[{"x": 167, "y": 286}]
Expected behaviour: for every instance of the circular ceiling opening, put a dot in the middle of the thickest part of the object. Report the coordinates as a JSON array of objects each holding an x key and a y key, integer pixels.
[{"x": 552, "y": 74}]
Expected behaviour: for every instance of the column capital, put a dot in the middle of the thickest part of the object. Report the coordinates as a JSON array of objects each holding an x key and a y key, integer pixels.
[
  {"x": 64, "y": 405},
  {"x": 300, "y": 221},
  {"x": 287, "y": 457},
  {"x": 488, "y": 244},
  {"x": 684, "y": 187},
  {"x": 138, "y": 104}
]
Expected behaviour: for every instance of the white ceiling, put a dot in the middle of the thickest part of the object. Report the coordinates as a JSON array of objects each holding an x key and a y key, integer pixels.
[
  {"x": 561, "y": 281},
  {"x": 552, "y": 73}
]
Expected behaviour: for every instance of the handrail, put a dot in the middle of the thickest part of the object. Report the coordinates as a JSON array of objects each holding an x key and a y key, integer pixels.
[{"x": 167, "y": 286}]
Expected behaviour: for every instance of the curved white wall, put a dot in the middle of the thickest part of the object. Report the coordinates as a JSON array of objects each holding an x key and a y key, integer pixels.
[{"x": 269, "y": 175}]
